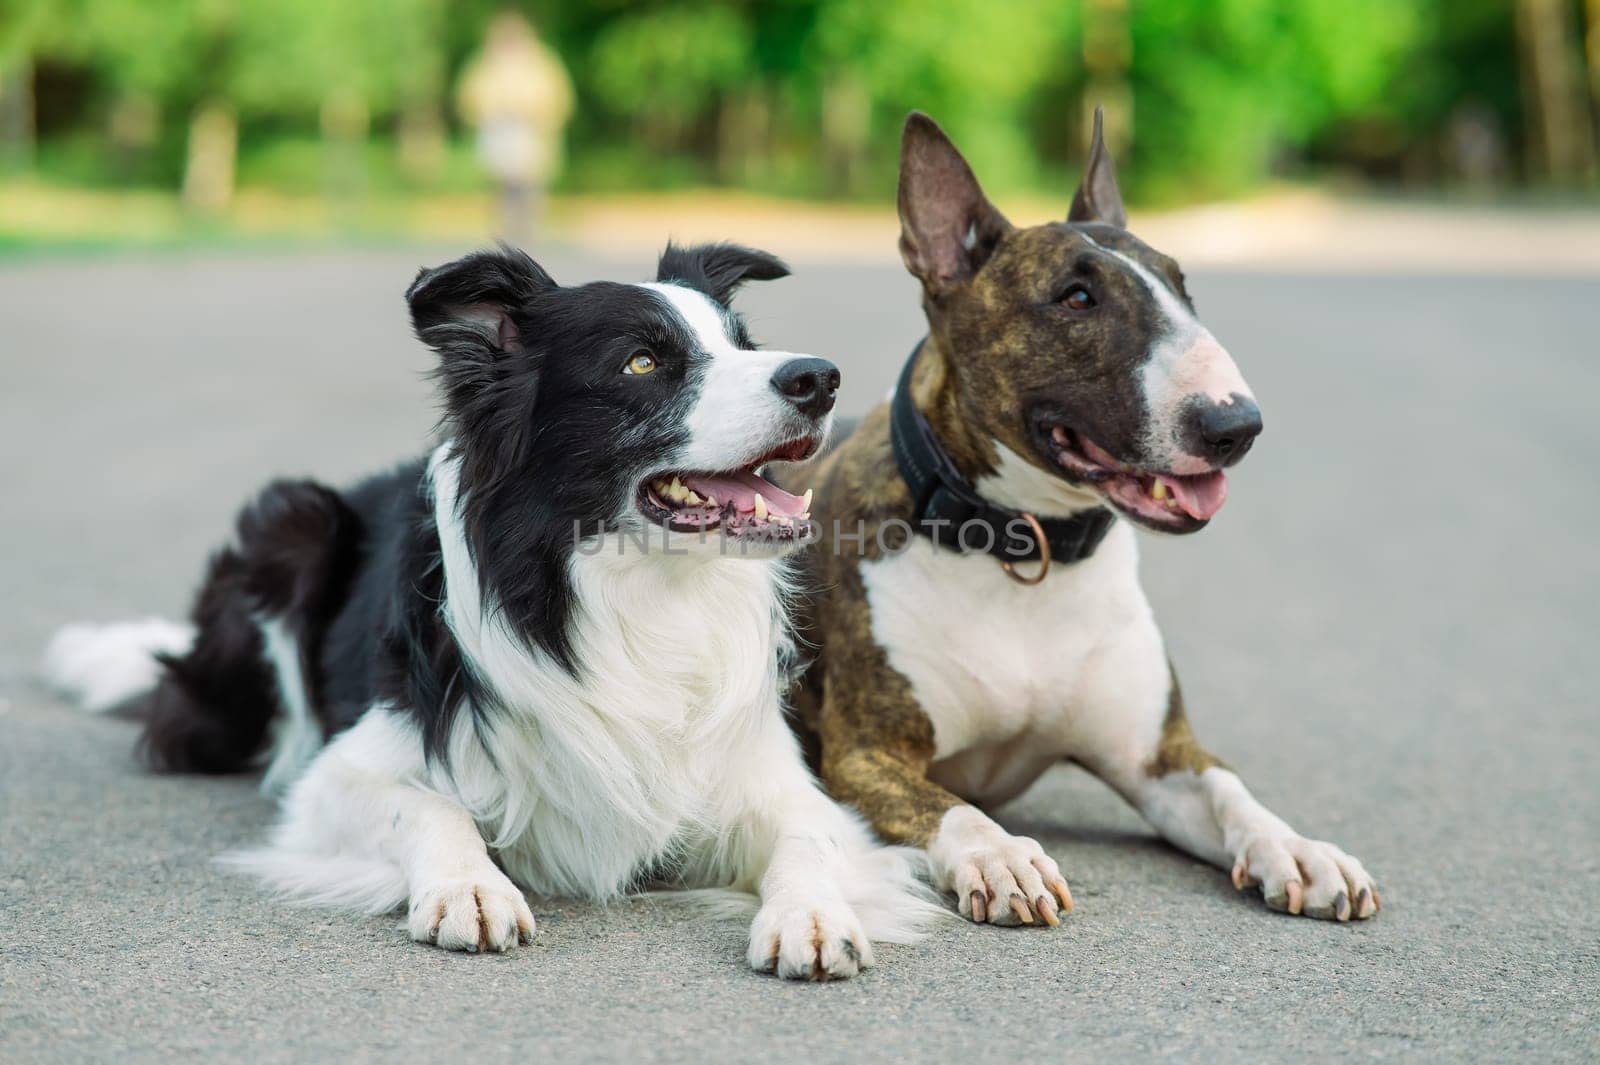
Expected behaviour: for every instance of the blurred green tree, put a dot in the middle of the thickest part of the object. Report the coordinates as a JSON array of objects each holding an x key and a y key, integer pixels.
[
  {"x": 806, "y": 96},
  {"x": 1223, "y": 89},
  {"x": 668, "y": 69},
  {"x": 974, "y": 65}
]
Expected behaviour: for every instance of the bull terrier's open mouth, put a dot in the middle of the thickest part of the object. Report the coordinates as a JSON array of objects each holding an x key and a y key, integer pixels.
[
  {"x": 740, "y": 502},
  {"x": 1170, "y": 502}
]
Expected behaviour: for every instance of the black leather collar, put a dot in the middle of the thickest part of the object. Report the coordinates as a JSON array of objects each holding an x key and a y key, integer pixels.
[{"x": 953, "y": 515}]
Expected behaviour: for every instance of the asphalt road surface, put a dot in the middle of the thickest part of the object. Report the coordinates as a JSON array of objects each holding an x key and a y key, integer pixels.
[{"x": 1390, "y": 632}]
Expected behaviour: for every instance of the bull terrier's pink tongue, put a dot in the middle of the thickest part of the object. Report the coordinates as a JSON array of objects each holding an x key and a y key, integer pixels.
[
  {"x": 1199, "y": 496},
  {"x": 740, "y": 489}
]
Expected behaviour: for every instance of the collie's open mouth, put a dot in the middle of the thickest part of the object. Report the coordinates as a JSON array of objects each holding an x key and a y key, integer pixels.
[
  {"x": 1168, "y": 501},
  {"x": 739, "y": 502}
]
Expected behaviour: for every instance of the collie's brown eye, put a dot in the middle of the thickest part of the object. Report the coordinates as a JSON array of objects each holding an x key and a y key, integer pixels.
[
  {"x": 641, "y": 363},
  {"x": 1078, "y": 298}
]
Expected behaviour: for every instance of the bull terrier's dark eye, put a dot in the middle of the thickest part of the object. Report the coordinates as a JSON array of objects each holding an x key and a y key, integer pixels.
[
  {"x": 640, "y": 363},
  {"x": 1078, "y": 298}
]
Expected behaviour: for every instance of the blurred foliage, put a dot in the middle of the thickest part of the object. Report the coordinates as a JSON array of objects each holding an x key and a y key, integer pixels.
[
  {"x": 1227, "y": 85},
  {"x": 673, "y": 64},
  {"x": 793, "y": 96}
]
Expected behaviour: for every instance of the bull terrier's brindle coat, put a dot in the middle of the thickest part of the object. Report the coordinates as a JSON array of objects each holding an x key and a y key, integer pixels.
[{"x": 1063, "y": 370}]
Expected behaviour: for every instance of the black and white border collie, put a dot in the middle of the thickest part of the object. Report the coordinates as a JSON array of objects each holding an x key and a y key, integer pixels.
[{"x": 552, "y": 654}]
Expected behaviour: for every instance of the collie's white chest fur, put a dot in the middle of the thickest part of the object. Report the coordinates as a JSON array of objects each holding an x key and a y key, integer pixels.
[{"x": 596, "y": 778}]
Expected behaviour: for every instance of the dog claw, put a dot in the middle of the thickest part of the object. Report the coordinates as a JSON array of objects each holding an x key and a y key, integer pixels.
[
  {"x": 1305, "y": 877},
  {"x": 1046, "y": 911},
  {"x": 999, "y": 879}
]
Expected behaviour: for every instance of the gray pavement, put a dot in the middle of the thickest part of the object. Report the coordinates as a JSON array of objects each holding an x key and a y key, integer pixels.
[{"x": 1389, "y": 632}]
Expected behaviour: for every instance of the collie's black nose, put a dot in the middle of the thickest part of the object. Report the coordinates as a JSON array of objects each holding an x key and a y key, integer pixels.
[
  {"x": 810, "y": 384},
  {"x": 1225, "y": 431}
]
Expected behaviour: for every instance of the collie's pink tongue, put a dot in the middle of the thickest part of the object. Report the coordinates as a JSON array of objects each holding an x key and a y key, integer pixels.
[
  {"x": 1199, "y": 496},
  {"x": 740, "y": 489}
]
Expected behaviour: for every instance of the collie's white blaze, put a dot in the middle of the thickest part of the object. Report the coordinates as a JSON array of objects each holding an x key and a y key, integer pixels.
[
  {"x": 99, "y": 667},
  {"x": 1185, "y": 361},
  {"x": 297, "y": 735},
  {"x": 738, "y": 414}
]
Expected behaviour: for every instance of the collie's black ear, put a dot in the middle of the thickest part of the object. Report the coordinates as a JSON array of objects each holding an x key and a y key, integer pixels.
[
  {"x": 468, "y": 311},
  {"x": 469, "y": 307},
  {"x": 718, "y": 269},
  {"x": 1098, "y": 199},
  {"x": 948, "y": 227}
]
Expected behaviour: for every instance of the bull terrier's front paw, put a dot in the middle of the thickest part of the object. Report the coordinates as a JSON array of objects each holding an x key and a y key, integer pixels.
[
  {"x": 998, "y": 878},
  {"x": 1306, "y": 876},
  {"x": 808, "y": 940},
  {"x": 473, "y": 913}
]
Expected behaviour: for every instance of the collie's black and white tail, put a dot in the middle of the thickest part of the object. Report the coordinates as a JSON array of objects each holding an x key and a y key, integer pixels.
[
  {"x": 215, "y": 694},
  {"x": 101, "y": 667}
]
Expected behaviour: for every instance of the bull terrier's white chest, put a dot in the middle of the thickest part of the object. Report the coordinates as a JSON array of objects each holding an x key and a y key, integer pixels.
[{"x": 1005, "y": 671}]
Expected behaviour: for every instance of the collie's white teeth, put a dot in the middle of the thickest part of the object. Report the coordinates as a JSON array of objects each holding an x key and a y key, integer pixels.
[
  {"x": 1172, "y": 504},
  {"x": 711, "y": 500},
  {"x": 678, "y": 490},
  {"x": 1059, "y": 435},
  {"x": 693, "y": 498},
  {"x": 1158, "y": 490},
  {"x": 804, "y": 517},
  {"x": 761, "y": 508},
  {"x": 805, "y": 503}
]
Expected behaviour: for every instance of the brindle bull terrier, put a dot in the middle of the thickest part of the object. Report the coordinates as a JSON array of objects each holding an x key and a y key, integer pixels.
[{"x": 978, "y": 616}]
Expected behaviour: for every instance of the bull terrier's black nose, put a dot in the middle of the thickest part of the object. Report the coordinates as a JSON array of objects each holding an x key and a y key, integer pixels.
[
  {"x": 810, "y": 384},
  {"x": 1226, "y": 430}
]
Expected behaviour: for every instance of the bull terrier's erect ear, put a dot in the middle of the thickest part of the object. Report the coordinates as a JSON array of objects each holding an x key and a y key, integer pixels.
[
  {"x": 468, "y": 307},
  {"x": 948, "y": 228},
  {"x": 1097, "y": 198},
  {"x": 718, "y": 269}
]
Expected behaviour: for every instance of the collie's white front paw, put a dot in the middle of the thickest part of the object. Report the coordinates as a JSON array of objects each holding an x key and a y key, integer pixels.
[
  {"x": 997, "y": 878},
  {"x": 803, "y": 939},
  {"x": 1305, "y": 876},
  {"x": 480, "y": 912}
]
